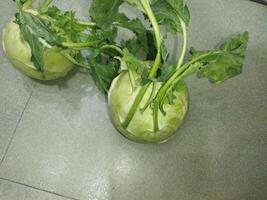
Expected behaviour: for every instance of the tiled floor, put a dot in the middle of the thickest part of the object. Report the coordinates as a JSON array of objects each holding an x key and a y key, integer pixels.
[{"x": 56, "y": 140}]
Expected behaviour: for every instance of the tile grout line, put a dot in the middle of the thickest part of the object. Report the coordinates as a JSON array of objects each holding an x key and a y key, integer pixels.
[
  {"x": 15, "y": 130},
  {"x": 39, "y": 189},
  {"x": 6, "y": 151}
]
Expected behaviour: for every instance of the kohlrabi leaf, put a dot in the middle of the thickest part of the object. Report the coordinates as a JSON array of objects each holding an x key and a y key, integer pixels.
[
  {"x": 36, "y": 33},
  {"x": 37, "y": 47},
  {"x": 169, "y": 13},
  {"x": 164, "y": 51},
  {"x": 166, "y": 70},
  {"x": 135, "y": 3},
  {"x": 138, "y": 66},
  {"x": 104, "y": 12},
  {"x": 152, "y": 2},
  {"x": 65, "y": 23},
  {"x": 138, "y": 3},
  {"x": 39, "y": 26},
  {"x": 132, "y": 45},
  {"x": 104, "y": 36},
  {"x": 103, "y": 73},
  {"x": 136, "y": 26},
  {"x": 170, "y": 97},
  {"x": 216, "y": 65},
  {"x": 144, "y": 38},
  {"x": 20, "y": 2},
  {"x": 225, "y": 63}
]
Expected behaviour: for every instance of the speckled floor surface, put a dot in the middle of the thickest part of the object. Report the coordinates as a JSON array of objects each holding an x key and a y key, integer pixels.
[{"x": 56, "y": 140}]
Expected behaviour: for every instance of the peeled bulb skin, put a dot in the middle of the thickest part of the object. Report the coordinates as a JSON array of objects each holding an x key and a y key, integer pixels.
[
  {"x": 140, "y": 129},
  {"x": 19, "y": 53}
]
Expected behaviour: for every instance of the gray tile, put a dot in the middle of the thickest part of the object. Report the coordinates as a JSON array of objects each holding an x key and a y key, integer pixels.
[
  {"x": 66, "y": 139},
  {"x": 15, "y": 88},
  {"x": 66, "y": 143},
  {"x": 14, "y": 191}
]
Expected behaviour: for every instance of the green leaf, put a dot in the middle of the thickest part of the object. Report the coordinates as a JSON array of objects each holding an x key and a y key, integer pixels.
[
  {"x": 169, "y": 12},
  {"x": 152, "y": 2},
  {"x": 135, "y": 3},
  {"x": 164, "y": 51},
  {"x": 138, "y": 4},
  {"x": 166, "y": 70},
  {"x": 144, "y": 38},
  {"x": 132, "y": 45},
  {"x": 217, "y": 65},
  {"x": 227, "y": 63},
  {"x": 103, "y": 73},
  {"x": 170, "y": 97},
  {"x": 65, "y": 23},
  {"x": 36, "y": 33},
  {"x": 37, "y": 48},
  {"x": 105, "y": 36},
  {"x": 39, "y": 26},
  {"x": 138, "y": 66},
  {"x": 20, "y": 2},
  {"x": 104, "y": 12}
]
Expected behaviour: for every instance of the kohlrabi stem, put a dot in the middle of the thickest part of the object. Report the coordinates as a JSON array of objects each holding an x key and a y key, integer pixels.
[
  {"x": 156, "y": 116},
  {"x": 71, "y": 59},
  {"x": 163, "y": 90},
  {"x": 184, "y": 32},
  {"x": 80, "y": 45},
  {"x": 153, "y": 20},
  {"x": 135, "y": 105},
  {"x": 153, "y": 72},
  {"x": 149, "y": 99},
  {"x": 86, "y": 23},
  {"x": 180, "y": 61},
  {"x": 132, "y": 80},
  {"x": 114, "y": 47},
  {"x": 80, "y": 22}
]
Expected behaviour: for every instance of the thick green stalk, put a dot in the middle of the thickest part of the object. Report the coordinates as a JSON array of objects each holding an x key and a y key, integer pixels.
[
  {"x": 132, "y": 80},
  {"x": 80, "y": 22},
  {"x": 86, "y": 23},
  {"x": 146, "y": 6},
  {"x": 150, "y": 98},
  {"x": 154, "y": 69},
  {"x": 179, "y": 73},
  {"x": 71, "y": 59},
  {"x": 184, "y": 32},
  {"x": 134, "y": 107},
  {"x": 80, "y": 45},
  {"x": 159, "y": 102},
  {"x": 158, "y": 37},
  {"x": 156, "y": 116},
  {"x": 112, "y": 47}
]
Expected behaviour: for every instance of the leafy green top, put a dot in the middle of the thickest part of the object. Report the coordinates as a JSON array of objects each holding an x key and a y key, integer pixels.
[
  {"x": 216, "y": 65},
  {"x": 54, "y": 27}
]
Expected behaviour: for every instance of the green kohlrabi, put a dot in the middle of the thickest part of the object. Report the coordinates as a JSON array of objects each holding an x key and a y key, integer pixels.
[
  {"x": 45, "y": 42},
  {"x": 148, "y": 100}
]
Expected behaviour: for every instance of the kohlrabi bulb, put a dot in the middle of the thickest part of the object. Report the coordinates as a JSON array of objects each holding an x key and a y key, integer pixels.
[
  {"x": 121, "y": 97},
  {"x": 19, "y": 53}
]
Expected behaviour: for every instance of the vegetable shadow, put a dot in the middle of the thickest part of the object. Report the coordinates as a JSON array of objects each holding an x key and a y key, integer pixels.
[
  {"x": 60, "y": 81},
  {"x": 70, "y": 94}
]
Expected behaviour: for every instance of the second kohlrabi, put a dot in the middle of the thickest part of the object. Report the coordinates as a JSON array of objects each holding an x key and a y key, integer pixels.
[{"x": 148, "y": 100}]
